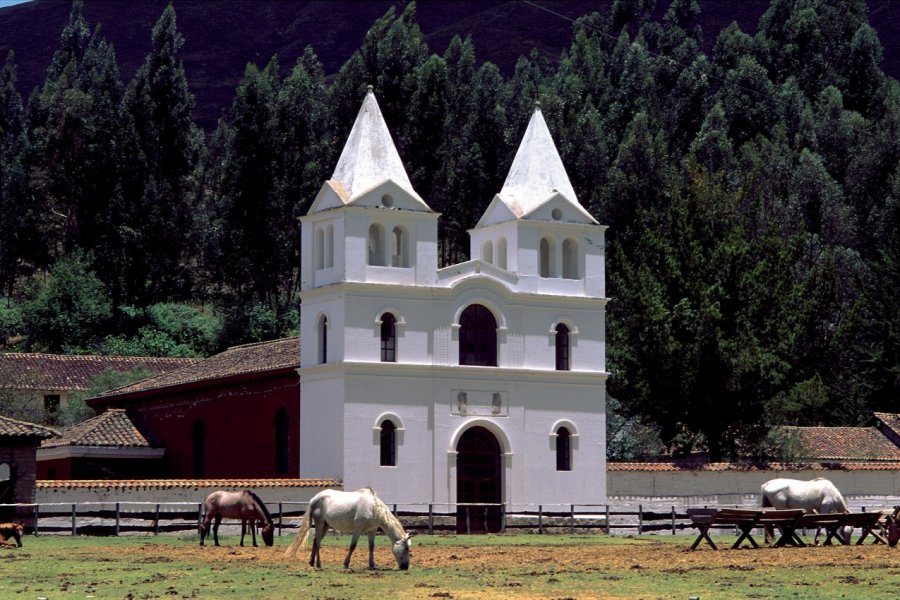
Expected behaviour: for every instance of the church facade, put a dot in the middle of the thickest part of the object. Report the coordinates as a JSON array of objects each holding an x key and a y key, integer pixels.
[{"x": 478, "y": 382}]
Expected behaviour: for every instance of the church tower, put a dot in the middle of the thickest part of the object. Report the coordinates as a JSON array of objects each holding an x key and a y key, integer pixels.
[{"x": 480, "y": 382}]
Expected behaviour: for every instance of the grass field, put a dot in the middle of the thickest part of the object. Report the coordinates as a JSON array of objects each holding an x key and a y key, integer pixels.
[{"x": 498, "y": 566}]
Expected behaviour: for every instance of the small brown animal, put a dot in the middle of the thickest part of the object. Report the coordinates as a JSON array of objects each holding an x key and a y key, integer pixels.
[{"x": 11, "y": 531}]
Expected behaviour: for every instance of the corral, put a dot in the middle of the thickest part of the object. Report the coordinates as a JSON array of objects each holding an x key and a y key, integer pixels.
[{"x": 446, "y": 566}]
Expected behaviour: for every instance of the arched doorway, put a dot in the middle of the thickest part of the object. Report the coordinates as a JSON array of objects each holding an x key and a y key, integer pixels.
[{"x": 478, "y": 480}]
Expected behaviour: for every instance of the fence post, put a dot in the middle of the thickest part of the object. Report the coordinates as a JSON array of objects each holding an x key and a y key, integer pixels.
[
  {"x": 468, "y": 522},
  {"x": 608, "y": 526},
  {"x": 156, "y": 523},
  {"x": 430, "y": 519},
  {"x": 117, "y": 519},
  {"x": 540, "y": 518},
  {"x": 280, "y": 517},
  {"x": 503, "y": 518},
  {"x": 640, "y": 519},
  {"x": 37, "y": 511},
  {"x": 73, "y": 520},
  {"x": 572, "y": 516},
  {"x": 673, "y": 520}
]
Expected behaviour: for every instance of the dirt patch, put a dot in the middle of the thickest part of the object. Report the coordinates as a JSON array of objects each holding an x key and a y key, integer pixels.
[{"x": 531, "y": 560}]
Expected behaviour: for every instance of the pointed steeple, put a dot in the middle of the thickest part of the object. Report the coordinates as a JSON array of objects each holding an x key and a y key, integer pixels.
[
  {"x": 537, "y": 172},
  {"x": 369, "y": 157}
]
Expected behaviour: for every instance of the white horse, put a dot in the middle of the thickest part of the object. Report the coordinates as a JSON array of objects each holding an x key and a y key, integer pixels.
[
  {"x": 818, "y": 495},
  {"x": 361, "y": 512}
]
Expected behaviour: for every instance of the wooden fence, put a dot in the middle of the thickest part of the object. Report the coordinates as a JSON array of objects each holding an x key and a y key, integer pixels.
[{"x": 658, "y": 516}]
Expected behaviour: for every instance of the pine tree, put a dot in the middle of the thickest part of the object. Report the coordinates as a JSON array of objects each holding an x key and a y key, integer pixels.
[
  {"x": 161, "y": 105},
  {"x": 17, "y": 218}
]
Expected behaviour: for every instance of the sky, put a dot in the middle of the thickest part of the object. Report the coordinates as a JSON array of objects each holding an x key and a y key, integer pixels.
[{"x": 4, "y": 3}]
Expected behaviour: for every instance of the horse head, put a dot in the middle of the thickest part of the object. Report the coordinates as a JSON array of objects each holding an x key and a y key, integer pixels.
[
  {"x": 401, "y": 551},
  {"x": 268, "y": 533}
]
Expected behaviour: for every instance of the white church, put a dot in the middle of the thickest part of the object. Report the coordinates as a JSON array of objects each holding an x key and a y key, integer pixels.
[{"x": 480, "y": 382}]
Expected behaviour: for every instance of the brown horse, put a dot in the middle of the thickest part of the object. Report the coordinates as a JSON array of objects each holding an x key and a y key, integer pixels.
[
  {"x": 243, "y": 505},
  {"x": 11, "y": 531}
]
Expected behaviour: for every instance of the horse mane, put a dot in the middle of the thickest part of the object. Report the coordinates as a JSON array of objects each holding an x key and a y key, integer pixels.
[
  {"x": 387, "y": 518},
  {"x": 262, "y": 506}
]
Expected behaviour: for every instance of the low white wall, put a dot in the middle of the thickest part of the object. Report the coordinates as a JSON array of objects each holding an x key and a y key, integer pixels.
[{"x": 745, "y": 483}]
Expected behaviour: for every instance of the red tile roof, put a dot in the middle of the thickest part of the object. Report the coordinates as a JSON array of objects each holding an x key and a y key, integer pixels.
[
  {"x": 726, "y": 466},
  {"x": 842, "y": 443},
  {"x": 186, "y": 483},
  {"x": 30, "y": 371},
  {"x": 13, "y": 428},
  {"x": 238, "y": 360},
  {"x": 111, "y": 429}
]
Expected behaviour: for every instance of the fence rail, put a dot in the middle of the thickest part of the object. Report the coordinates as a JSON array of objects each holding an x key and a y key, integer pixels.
[{"x": 646, "y": 516}]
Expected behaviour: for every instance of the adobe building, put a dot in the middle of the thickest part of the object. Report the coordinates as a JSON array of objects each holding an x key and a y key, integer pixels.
[
  {"x": 19, "y": 441},
  {"x": 232, "y": 415},
  {"x": 478, "y": 382}
]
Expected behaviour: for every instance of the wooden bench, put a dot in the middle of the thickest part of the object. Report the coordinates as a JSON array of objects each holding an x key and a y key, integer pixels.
[
  {"x": 705, "y": 519},
  {"x": 788, "y": 521}
]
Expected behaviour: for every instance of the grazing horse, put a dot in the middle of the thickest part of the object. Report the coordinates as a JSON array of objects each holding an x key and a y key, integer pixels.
[
  {"x": 11, "y": 531},
  {"x": 361, "y": 512},
  {"x": 243, "y": 505},
  {"x": 818, "y": 495}
]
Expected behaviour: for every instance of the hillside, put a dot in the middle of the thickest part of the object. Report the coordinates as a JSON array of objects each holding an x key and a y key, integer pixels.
[{"x": 221, "y": 37}]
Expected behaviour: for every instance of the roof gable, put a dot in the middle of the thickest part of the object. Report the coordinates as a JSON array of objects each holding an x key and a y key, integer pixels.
[
  {"x": 557, "y": 207},
  {"x": 497, "y": 212},
  {"x": 388, "y": 194},
  {"x": 111, "y": 429}
]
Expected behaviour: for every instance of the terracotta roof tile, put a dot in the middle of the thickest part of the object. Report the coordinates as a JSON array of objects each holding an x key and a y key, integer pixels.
[
  {"x": 23, "y": 429},
  {"x": 843, "y": 443},
  {"x": 31, "y": 371},
  {"x": 725, "y": 466},
  {"x": 186, "y": 483},
  {"x": 238, "y": 360},
  {"x": 111, "y": 429}
]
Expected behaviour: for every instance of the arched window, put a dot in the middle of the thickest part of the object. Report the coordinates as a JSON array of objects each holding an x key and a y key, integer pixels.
[
  {"x": 399, "y": 250},
  {"x": 487, "y": 252},
  {"x": 198, "y": 444},
  {"x": 323, "y": 340},
  {"x": 501, "y": 253},
  {"x": 562, "y": 348},
  {"x": 388, "y": 444},
  {"x": 548, "y": 258},
  {"x": 570, "y": 259},
  {"x": 329, "y": 246},
  {"x": 376, "y": 245},
  {"x": 320, "y": 248},
  {"x": 282, "y": 441},
  {"x": 563, "y": 450},
  {"x": 477, "y": 337},
  {"x": 388, "y": 338}
]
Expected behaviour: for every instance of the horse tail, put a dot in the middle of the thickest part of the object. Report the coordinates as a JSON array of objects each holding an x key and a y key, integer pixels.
[
  {"x": 262, "y": 506},
  {"x": 302, "y": 534},
  {"x": 764, "y": 498}
]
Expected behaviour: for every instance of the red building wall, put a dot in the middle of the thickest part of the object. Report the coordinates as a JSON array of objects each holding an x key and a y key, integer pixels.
[{"x": 238, "y": 417}]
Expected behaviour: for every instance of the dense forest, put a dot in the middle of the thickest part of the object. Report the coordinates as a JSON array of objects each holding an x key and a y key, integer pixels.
[{"x": 752, "y": 196}]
